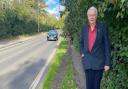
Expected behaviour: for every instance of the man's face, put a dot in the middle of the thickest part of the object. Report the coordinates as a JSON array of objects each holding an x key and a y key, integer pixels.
[{"x": 92, "y": 16}]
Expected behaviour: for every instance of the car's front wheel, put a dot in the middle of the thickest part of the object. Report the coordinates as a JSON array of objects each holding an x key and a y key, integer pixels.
[
  {"x": 56, "y": 38},
  {"x": 47, "y": 39}
]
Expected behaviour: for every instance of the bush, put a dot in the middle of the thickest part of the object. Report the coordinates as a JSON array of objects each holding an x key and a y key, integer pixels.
[{"x": 13, "y": 25}]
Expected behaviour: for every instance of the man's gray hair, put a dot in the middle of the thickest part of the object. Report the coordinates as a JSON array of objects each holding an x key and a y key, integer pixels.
[{"x": 92, "y": 8}]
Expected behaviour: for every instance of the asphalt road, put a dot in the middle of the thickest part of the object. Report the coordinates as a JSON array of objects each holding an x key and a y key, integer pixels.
[{"x": 24, "y": 63}]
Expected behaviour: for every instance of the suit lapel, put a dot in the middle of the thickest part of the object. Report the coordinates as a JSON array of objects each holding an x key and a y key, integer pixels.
[{"x": 86, "y": 37}]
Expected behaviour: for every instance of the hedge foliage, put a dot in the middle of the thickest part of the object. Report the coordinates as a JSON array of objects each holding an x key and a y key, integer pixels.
[{"x": 115, "y": 14}]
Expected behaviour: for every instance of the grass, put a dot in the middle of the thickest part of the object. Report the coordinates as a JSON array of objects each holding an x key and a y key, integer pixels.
[
  {"x": 68, "y": 82},
  {"x": 55, "y": 64}
]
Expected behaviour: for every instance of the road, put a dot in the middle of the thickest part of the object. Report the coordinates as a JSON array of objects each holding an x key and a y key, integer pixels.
[{"x": 22, "y": 64}]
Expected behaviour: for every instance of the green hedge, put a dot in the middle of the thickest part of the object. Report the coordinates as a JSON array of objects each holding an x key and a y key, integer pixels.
[
  {"x": 115, "y": 14},
  {"x": 14, "y": 23}
]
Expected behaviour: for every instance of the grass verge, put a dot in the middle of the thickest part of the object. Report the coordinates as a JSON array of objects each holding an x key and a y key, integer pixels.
[{"x": 55, "y": 64}]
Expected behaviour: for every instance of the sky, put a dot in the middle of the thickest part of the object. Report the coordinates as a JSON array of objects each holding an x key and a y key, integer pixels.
[{"x": 54, "y": 7}]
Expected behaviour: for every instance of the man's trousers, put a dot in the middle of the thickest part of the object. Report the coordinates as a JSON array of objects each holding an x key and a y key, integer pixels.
[{"x": 93, "y": 78}]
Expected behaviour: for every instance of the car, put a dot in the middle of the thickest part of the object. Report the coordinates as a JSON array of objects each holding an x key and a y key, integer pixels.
[{"x": 52, "y": 35}]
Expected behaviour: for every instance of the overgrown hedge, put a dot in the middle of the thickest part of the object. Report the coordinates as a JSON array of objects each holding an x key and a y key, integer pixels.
[
  {"x": 115, "y": 14},
  {"x": 14, "y": 22}
]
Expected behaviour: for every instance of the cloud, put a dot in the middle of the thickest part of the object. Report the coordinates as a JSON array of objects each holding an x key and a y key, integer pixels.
[
  {"x": 54, "y": 7},
  {"x": 61, "y": 8},
  {"x": 51, "y": 2},
  {"x": 51, "y": 11},
  {"x": 54, "y": 10}
]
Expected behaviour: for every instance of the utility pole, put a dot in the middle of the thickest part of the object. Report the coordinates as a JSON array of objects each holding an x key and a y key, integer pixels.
[{"x": 38, "y": 17}]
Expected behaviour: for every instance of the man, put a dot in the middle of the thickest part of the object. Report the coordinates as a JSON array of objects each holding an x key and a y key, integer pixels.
[{"x": 95, "y": 50}]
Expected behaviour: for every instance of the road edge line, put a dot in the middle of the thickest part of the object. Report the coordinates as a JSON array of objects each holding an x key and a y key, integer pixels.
[{"x": 41, "y": 73}]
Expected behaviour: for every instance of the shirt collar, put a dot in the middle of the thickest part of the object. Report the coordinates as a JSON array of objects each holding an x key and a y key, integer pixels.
[{"x": 90, "y": 27}]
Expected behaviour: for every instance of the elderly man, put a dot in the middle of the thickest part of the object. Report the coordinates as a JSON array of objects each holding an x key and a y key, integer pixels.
[{"x": 95, "y": 50}]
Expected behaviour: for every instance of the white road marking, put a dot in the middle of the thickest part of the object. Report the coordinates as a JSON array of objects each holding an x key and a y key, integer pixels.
[
  {"x": 17, "y": 53},
  {"x": 19, "y": 41},
  {"x": 21, "y": 60},
  {"x": 41, "y": 73}
]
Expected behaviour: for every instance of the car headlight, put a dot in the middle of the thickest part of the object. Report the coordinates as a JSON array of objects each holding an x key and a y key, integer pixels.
[{"x": 55, "y": 35}]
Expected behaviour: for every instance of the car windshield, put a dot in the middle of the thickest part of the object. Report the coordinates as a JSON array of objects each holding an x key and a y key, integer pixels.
[{"x": 52, "y": 32}]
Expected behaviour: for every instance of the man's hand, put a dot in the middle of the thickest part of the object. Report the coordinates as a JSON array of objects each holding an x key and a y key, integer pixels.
[
  {"x": 106, "y": 68},
  {"x": 82, "y": 55}
]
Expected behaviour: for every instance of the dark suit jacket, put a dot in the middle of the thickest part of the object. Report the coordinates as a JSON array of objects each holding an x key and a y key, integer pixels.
[{"x": 100, "y": 54}]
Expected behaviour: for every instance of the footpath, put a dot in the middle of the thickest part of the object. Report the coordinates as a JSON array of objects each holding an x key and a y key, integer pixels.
[{"x": 79, "y": 76}]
